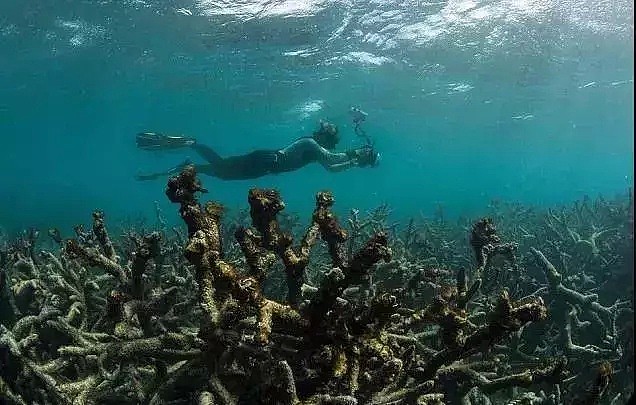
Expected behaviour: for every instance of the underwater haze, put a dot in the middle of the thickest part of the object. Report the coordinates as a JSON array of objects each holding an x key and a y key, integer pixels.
[
  {"x": 488, "y": 259},
  {"x": 468, "y": 101}
]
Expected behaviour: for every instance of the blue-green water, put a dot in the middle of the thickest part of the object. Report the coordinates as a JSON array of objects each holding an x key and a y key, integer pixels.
[{"x": 468, "y": 101}]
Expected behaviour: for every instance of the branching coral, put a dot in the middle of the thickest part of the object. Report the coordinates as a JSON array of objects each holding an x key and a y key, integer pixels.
[
  {"x": 87, "y": 335},
  {"x": 566, "y": 298},
  {"x": 330, "y": 343},
  {"x": 369, "y": 316}
]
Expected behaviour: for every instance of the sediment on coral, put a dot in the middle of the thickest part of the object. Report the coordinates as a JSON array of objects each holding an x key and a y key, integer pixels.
[{"x": 512, "y": 308}]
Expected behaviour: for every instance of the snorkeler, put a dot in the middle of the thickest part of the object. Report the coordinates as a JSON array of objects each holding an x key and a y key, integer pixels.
[{"x": 316, "y": 148}]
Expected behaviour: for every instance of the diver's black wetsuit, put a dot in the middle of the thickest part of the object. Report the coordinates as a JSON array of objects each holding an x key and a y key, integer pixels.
[
  {"x": 262, "y": 162},
  {"x": 242, "y": 167}
]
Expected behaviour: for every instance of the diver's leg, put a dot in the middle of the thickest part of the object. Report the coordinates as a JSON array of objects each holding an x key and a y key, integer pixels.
[
  {"x": 152, "y": 141},
  {"x": 244, "y": 167},
  {"x": 205, "y": 169},
  {"x": 207, "y": 153}
]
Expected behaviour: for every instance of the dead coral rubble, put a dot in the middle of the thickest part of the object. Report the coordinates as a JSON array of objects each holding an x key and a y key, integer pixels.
[
  {"x": 103, "y": 323},
  {"x": 330, "y": 344},
  {"x": 90, "y": 328}
]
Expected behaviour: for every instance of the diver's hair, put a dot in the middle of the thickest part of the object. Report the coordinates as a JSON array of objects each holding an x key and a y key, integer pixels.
[{"x": 327, "y": 135}]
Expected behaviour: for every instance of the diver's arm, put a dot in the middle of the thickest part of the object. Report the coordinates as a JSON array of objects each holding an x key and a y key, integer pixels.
[
  {"x": 330, "y": 158},
  {"x": 308, "y": 146},
  {"x": 337, "y": 161},
  {"x": 339, "y": 167}
]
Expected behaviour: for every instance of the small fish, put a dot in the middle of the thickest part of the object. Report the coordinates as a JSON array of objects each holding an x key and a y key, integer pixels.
[
  {"x": 621, "y": 82},
  {"x": 523, "y": 117},
  {"x": 590, "y": 84},
  {"x": 183, "y": 11}
]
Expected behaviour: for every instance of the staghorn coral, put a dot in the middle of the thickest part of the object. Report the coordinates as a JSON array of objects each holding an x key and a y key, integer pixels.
[
  {"x": 345, "y": 341},
  {"x": 605, "y": 329},
  {"x": 93, "y": 326},
  {"x": 427, "y": 316}
]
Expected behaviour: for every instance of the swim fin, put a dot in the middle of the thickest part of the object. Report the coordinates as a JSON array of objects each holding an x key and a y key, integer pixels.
[{"x": 153, "y": 141}]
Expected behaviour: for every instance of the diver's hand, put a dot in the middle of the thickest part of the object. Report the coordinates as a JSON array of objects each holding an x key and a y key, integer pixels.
[
  {"x": 352, "y": 154},
  {"x": 364, "y": 156},
  {"x": 357, "y": 153}
]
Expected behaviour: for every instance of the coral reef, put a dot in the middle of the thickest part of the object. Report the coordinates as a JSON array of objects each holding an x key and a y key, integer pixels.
[{"x": 509, "y": 309}]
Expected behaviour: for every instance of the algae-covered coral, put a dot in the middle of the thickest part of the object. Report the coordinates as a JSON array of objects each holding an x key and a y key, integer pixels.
[{"x": 523, "y": 307}]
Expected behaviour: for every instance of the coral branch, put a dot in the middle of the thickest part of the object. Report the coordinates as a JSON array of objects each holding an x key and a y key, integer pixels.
[{"x": 161, "y": 318}]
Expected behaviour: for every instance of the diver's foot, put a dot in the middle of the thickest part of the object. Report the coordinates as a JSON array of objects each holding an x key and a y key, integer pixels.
[{"x": 154, "y": 141}]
